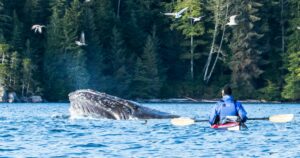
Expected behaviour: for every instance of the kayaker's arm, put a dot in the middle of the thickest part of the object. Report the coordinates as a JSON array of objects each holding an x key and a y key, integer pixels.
[
  {"x": 242, "y": 112},
  {"x": 214, "y": 114}
]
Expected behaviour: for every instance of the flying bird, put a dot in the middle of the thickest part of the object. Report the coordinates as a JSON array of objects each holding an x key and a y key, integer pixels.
[
  {"x": 298, "y": 27},
  {"x": 177, "y": 14},
  {"x": 81, "y": 41},
  {"x": 87, "y": 0},
  {"x": 37, "y": 28},
  {"x": 196, "y": 19},
  {"x": 232, "y": 20}
]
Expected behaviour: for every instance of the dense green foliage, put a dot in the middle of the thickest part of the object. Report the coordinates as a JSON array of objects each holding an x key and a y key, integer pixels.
[{"x": 134, "y": 51}]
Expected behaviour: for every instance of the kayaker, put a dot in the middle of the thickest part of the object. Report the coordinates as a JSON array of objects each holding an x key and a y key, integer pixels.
[{"x": 227, "y": 106}]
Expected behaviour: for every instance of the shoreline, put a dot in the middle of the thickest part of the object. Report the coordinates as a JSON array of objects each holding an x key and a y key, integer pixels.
[
  {"x": 180, "y": 101},
  {"x": 191, "y": 100}
]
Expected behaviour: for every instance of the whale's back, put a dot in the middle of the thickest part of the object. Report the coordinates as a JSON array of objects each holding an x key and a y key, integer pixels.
[{"x": 101, "y": 105}]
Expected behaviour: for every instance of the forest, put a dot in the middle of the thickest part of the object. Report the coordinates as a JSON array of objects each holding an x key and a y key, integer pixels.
[{"x": 142, "y": 49}]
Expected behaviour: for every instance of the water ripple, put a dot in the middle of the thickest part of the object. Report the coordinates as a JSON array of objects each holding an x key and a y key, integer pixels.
[
  {"x": 89, "y": 145},
  {"x": 35, "y": 130}
]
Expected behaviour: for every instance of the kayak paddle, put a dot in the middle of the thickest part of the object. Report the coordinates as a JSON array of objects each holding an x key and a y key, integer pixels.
[
  {"x": 184, "y": 121},
  {"x": 277, "y": 118}
]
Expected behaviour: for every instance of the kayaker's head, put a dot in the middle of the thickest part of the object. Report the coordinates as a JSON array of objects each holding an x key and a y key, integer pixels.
[{"x": 226, "y": 90}]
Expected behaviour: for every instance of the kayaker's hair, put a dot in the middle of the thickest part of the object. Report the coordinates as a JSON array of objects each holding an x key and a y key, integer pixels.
[{"x": 227, "y": 90}]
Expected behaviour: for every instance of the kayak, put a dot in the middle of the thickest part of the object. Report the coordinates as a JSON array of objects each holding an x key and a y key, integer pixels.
[{"x": 232, "y": 126}]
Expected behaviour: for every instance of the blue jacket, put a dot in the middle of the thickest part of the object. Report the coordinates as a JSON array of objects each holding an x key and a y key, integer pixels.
[{"x": 227, "y": 107}]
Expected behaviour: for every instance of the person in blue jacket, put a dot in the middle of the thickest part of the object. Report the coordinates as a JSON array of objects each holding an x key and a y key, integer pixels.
[{"x": 227, "y": 107}]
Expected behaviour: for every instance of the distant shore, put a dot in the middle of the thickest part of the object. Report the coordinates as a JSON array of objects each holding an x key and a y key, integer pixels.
[
  {"x": 176, "y": 100},
  {"x": 192, "y": 100}
]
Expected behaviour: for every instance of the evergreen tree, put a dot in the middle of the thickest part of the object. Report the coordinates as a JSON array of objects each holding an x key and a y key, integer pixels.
[
  {"x": 29, "y": 69},
  {"x": 271, "y": 43},
  {"x": 59, "y": 6},
  {"x": 293, "y": 31},
  {"x": 36, "y": 12},
  {"x": 54, "y": 59},
  {"x": 71, "y": 25},
  {"x": 15, "y": 74},
  {"x": 139, "y": 82},
  {"x": 134, "y": 36},
  {"x": 270, "y": 92},
  {"x": 104, "y": 20},
  {"x": 28, "y": 13},
  {"x": 5, "y": 21},
  {"x": 17, "y": 40},
  {"x": 147, "y": 82},
  {"x": 4, "y": 65},
  {"x": 245, "y": 59},
  {"x": 292, "y": 87},
  {"x": 28, "y": 82},
  {"x": 9, "y": 68},
  {"x": 119, "y": 75}
]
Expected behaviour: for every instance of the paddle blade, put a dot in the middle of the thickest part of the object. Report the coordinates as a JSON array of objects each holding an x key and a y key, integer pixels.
[
  {"x": 281, "y": 118},
  {"x": 182, "y": 121}
]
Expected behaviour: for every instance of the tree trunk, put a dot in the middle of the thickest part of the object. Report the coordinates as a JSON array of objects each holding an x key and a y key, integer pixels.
[
  {"x": 118, "y": 11},
  {"x": 206, "y": 67},
  {"x": 3, "y": 58},
  {"x": 27, "y": 89},
  {"x": 23, "y": 88},
  {"x": 282, "y": 28},
  {"x": 192, "y": 57},
  {"x": 220, "y": 47}
]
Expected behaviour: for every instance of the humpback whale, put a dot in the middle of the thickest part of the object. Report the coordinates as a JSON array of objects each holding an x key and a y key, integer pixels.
[{"x": 87, "y": 102}]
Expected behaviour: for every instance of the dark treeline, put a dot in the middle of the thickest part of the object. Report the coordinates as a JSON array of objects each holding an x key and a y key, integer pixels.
[{"x": 135, "y": 51}]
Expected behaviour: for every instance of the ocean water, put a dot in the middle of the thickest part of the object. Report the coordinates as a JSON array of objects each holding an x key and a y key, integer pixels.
[{"x": 45, "y": 130}]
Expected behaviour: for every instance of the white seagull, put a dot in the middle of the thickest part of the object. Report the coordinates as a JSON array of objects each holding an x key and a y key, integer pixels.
[
  {"x": 298, "y": 27},
  {"x": 87, "y": 0},
  {"x": 197, "y": 18},
  {"x": 232, "y": 20},
  {"x": 177, "y": 14},
  {"x": 37, "y": 28},
  {"x": 81, "y": 41}
]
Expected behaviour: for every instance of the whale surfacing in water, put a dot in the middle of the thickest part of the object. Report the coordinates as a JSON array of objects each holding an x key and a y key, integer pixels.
[{"x": 91, "y": 103}]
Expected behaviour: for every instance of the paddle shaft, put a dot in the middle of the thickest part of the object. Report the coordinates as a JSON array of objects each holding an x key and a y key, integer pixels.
[
  {"x": 262, "y": 118},
  {"x": 201, "y": 120},
  {"x": 275, "y": 118}
]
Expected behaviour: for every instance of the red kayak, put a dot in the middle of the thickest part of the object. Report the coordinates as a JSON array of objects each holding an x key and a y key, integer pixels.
[{"x": 227, "y": 126}]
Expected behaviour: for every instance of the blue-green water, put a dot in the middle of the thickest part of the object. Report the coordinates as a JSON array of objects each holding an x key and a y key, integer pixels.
[{"x": 44, "y": 130}]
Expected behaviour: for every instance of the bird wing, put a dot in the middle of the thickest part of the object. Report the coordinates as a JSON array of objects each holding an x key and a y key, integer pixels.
[
  {"x": 39, "y": 29},
  {"x": 169, "y": 13},
  {"x": 232, "y": 18},
  {"x": 82, "y": 38},
  {"x": 34, "y": 27},
  {"x": 200, "y": 17},
  {"x": 182, "y": 10},
  {"x": 78, "y": 43}
]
